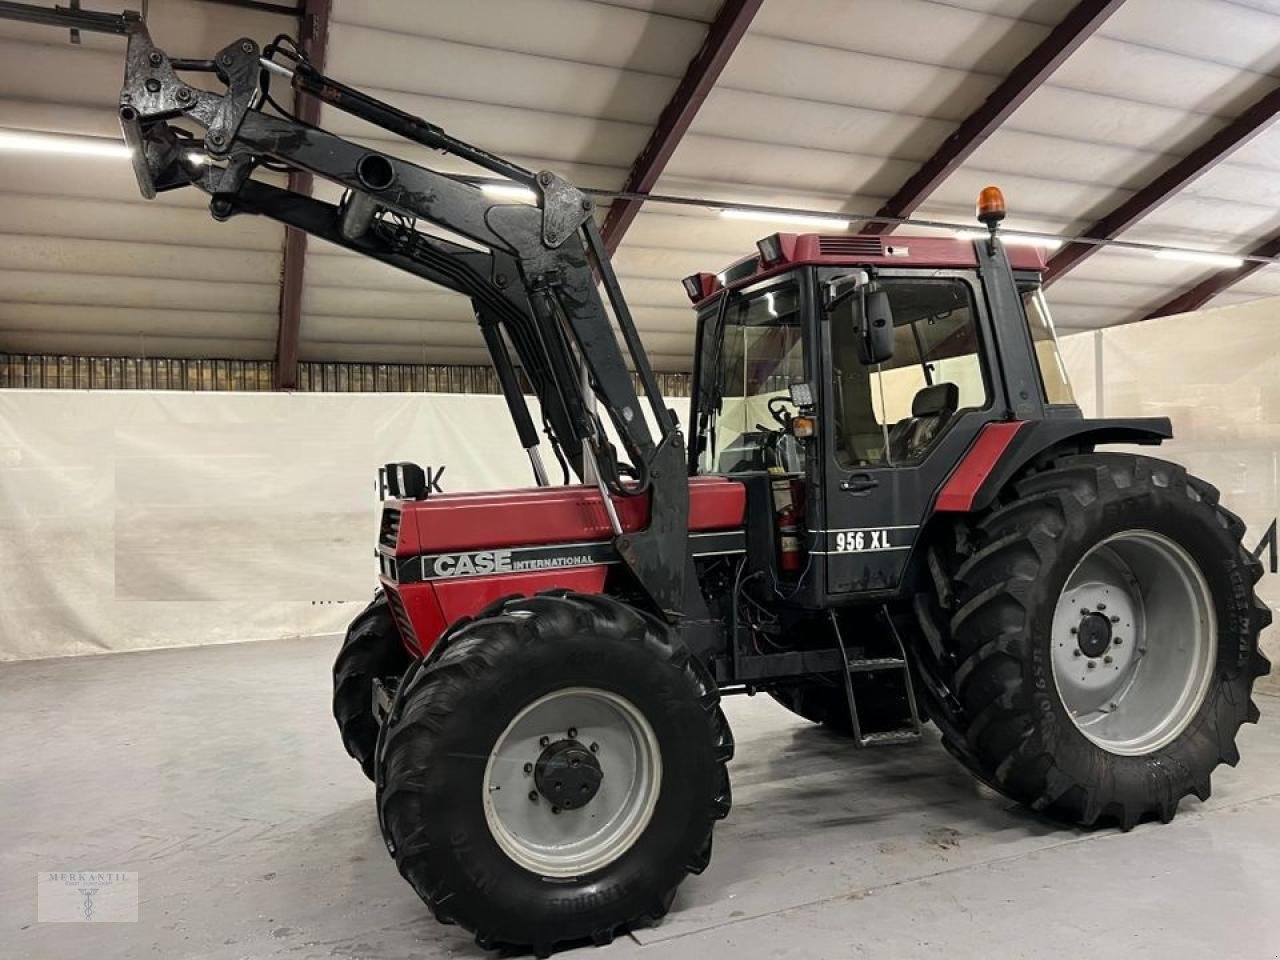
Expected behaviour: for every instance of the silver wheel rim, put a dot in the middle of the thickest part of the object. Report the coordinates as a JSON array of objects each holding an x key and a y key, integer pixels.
[
  {"x": 535, "y": 832},
  {"x": 1161, "y": 642}
]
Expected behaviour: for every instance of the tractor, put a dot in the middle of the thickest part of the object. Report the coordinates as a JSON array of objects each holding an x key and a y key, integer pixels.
[{"x": 889, "y": 512}]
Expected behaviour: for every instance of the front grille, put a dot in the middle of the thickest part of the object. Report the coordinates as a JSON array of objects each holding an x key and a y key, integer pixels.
[
  {"x": 850, "y": 247},
  {"x": 401, "y": 617},
  {"x": 389, "y": 531}
]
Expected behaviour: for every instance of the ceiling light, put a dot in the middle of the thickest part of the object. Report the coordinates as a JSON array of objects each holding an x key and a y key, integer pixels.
[
  {"x": 509, "y": 191},
  {"x": 1012, "y": 239},
  {"x": 1197, "y": 256},
  {"x": 53, "y": 143},
  {"x": 800, "y": 219}
]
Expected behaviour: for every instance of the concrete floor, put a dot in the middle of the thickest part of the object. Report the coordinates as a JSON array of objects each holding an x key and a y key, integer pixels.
[{"x": 216, "y": 773}]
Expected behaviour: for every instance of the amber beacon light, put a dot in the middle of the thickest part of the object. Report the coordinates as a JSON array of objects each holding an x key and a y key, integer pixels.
[{"x": 991, "y": 208}]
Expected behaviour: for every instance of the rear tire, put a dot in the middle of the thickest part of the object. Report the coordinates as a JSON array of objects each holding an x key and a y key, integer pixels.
[
  {"x": 1018, "y": 723},
  {"x": 509, "y": 864},
  {"x": 371, "y": 650}
]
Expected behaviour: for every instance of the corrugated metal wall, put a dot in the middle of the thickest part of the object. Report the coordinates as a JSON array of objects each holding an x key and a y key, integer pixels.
[{"x": 49, "y": 372}]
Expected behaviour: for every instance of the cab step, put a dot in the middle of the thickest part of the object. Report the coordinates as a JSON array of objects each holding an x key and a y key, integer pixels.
[{"x": 880, "y": 738}]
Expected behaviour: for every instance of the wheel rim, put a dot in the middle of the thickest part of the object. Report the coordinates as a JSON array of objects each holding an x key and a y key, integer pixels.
[
  {"x": 555, "y": 816},
  {"x": 1134, "y": 642}
]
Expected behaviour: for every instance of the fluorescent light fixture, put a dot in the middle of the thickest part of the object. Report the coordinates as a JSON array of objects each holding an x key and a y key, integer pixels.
[
  {"x": 24, "y": 142},
  {"x": 508, "y": 191},
  {"x": 1196, "y": 256},
  {"x": 800, "y": 219},
  {"x": 1012, "y": 239}
]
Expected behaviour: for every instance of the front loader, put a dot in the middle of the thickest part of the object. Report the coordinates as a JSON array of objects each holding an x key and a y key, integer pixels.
[{"x": 890, "y": 512}]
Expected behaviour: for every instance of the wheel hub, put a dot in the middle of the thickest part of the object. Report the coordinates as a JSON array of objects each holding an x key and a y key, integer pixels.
[
  {"x": 567, "y": 774},
  {"x": 1134, "y": 640},
  {"x": 1094, "y": 634}
]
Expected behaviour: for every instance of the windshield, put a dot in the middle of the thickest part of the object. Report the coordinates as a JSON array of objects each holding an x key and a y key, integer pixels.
[{"x": 747, "y": 370}]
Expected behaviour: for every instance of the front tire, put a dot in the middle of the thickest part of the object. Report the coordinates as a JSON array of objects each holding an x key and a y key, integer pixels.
[
  {"x": 371, "y": 650},
  {"x": 535, "y": 700},
  {"x": 1083, "y": 710}
]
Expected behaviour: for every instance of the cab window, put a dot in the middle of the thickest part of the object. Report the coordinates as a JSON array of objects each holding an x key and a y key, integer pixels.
[
  {"x": 1053, "y": 373},
  {"x": 748, "y": 367},
  {"x": 892, "y": 413}
]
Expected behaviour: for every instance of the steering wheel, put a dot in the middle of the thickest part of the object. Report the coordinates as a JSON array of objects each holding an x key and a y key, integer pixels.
[{"x": 779, "y": 413}]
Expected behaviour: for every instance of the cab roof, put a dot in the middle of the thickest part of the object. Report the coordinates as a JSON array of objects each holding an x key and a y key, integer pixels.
[{"x": 851, "y": 250}]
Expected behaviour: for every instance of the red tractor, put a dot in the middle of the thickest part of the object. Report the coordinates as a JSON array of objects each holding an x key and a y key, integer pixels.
[{"x": 890, "y": 511}]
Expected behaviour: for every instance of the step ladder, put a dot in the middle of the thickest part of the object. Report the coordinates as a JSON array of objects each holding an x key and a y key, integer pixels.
[{"x": 881, "y": 738}]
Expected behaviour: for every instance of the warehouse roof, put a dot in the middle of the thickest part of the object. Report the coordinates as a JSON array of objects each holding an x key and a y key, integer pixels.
[{"x": 818, "y": 105}]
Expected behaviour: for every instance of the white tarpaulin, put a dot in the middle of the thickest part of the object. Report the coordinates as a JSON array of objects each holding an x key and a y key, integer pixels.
[
  {"x": 1216, "y": 375},
  {"x": 131, "y": 520}
]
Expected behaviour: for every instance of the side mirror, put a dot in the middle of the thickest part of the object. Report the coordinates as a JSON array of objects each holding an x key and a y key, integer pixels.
[{"x": 875, "y": 341}]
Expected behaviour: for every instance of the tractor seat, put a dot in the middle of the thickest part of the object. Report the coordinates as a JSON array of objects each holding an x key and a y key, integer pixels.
[{"x": 931, "y": 408}]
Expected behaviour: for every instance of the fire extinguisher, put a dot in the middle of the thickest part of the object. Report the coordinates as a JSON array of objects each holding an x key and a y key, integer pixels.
[{"x": 787, "y": 522}]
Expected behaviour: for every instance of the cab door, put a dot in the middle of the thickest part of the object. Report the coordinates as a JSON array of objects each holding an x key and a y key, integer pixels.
[{"x": 892, "y": 432}]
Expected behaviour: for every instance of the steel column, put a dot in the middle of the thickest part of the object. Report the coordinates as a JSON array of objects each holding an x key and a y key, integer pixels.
[
  {"x": 704, "y": 70},
  {"x": 1077, "y": 27},
  {"x": 314, "y": 40}
]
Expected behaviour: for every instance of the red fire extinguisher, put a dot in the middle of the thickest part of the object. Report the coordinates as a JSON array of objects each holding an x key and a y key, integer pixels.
[
  {"x": 789, "y": 539},
  {"x": 787, "y": 520}
]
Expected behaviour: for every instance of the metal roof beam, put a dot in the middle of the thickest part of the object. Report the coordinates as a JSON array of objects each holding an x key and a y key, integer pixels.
[
  {"x": 314, "y": 40},
  {"x": 1076, "y": 27},
  {"x": 1199, "y": 161},
  {"x": 723, "y": 36},
  {"x": 1204, "y": 291}
]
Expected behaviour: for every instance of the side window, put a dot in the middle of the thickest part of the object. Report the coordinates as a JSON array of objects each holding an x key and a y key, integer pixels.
[
  {"x": 892, "y": 413},
  {"x": 1053, "y": 373}
]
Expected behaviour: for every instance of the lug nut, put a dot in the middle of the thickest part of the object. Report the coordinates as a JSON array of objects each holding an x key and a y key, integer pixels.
[
  {"x": 1107, "y": 658},
  {"x": 1092, "y": 664},
  {"x": 1102, "y": 606},
  {"x": 533, "y": 796},
  {"x": 1117, "y": 641},
  {"x": 1075, "y": 653},
  {"x": 1114, "y": 618},
  {"x": 573, "y": 733},
  {"x": 544, "y": 741},
  {"x": 1074, "y": 631},
  {"x": 595, "y": 748},
  {"x": 155, "y": 59},
  {"x": 528, "y": 768},
  {"x": 555, "y": 809}
]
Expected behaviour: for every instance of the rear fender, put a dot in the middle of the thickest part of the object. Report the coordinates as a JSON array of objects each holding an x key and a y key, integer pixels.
[{"x": 1003, "y": 450}]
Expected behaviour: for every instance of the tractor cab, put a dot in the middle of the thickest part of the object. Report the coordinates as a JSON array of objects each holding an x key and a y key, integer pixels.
[{"x": 856, "y": 372}]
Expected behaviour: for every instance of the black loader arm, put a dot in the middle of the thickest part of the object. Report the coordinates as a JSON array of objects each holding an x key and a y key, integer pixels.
[{"x": 530, "y": 271}]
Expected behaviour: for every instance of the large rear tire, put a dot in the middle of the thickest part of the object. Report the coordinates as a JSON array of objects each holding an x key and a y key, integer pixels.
[
  {"x": 555, "y": 773},
  {"x": 371, "y": 650},
  {"x": 1103, "y": 632}
]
